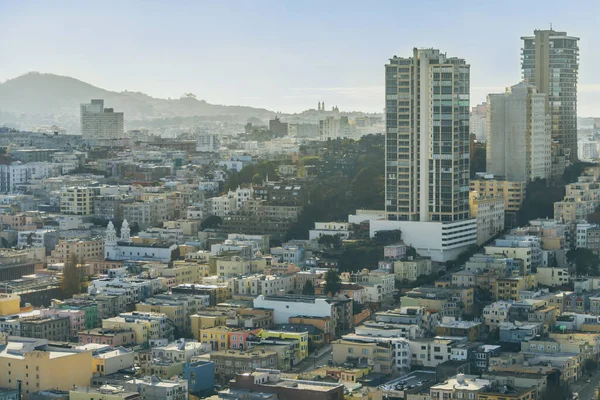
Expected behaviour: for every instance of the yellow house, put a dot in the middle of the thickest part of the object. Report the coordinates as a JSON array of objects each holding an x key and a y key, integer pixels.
[
  {"x": 42, "y": 367},
  {"x": 301, "y": 337},
  {"x": 140, "y": 328},
  {"x": 206, "y": 320},
  {"x": 509, "y": 288},
  {"x": 184, "y": 272},
  {"x": 217, "y": 337},
  {"x": 10, "y": 304}
]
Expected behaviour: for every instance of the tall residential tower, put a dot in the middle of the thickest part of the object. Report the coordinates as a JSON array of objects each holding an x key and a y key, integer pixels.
[
  {"x": 550, "y": 61},
  {"x": 427, "y": 150},
  {"x": 518, "y": 144}
]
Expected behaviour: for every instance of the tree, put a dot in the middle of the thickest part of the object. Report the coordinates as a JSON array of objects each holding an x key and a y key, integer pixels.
[
  {"x": 211, "y": 221},
  {"x": 585, "y": 261},
  {"x": 393, "y": 236},
  {"x": 330, "y": 241},
  {"x": 411, "y": 252},
  {"x": 72, "y": 279},
  {"x": 333, "y": 283},
  {"x": 308, "y": 288}
]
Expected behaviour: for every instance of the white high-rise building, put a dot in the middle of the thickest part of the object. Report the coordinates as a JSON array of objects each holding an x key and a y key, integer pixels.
[
  {"x": 477, "y": 122},
  {"x": 99, "y": 123},
  {"x": 207, "y": 143},
  {"x": 519, "y": 142},
  {"x": 427, "y": 153}
]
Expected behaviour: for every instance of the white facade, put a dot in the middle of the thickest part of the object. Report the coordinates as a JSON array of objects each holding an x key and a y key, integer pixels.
[
  {"x": 285, "y": 308},
  {"x": 477, "y": 122},
  {"x": 587, "y": 149},
  {"x": 489, "y": 212},
  {"x": 553, "y": 276},
  {"x": 99, "y": 123},
  {"x": 439, "y": 241},
  {"x": 401, "y": 354},
  {"x": 47, "y": 238},
  {"x": 265, "y": 285},
  {"x": 17, "y": 173},
  {"x": 582, "y": 234},
  {"x": 124, "y": 249},
  {"x": 221, "y": 205},
  {"x": 518, "y": 134},
  {"x": 288, "y": 254},
  {"x": 207, "y": 143},
  {"x": 329, "y": 228}
]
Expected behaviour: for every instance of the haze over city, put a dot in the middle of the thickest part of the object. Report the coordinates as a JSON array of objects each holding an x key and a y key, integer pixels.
[
  {"x": 299, "y": 199},
  {"x": 283, "y": 56}
]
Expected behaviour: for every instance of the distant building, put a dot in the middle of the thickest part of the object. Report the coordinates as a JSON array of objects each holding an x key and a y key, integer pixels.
[
  {"x": 513, "y": 192},
  {"x": 99, "y": 124},
  {"x": 279, "y": 128},
  {"x": 477, "y": 122},
  {"x": 518, "y": 138},
  {"x": 207, "y": 143},
  {"x": 550, "y": 61},
  {"x": 489, "y": 212}
]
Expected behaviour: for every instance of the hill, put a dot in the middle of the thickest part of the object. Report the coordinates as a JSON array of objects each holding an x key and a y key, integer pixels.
[{"x": 41, "y": 94}]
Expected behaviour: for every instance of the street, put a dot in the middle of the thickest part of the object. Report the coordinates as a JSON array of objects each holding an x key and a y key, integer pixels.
[
  {"x": 586, "y": 390},
  {"x": 311, "y": 362}
]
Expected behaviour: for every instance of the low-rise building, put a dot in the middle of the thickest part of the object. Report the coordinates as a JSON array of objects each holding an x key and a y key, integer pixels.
[
  {"x": 410, "y": 270},
  {"x": 549, "y": 276},
  {"x": 459, "y": 387},
  {"x": 489, "y": 212},
  {"x": 153, "y": 388},
  {"x": 228, "y": 363},
  {"x": 41, "y": 366}
]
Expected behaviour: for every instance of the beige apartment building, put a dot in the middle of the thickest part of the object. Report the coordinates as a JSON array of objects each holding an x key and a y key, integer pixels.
[
  {"x": 83, "y": 249},
  {"x": 489, "y": 212},
  {"x": 77, "y": 200},
  {"x": 513, "y": 192}
]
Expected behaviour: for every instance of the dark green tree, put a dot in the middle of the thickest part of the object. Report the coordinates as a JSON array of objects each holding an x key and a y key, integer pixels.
[
  {"x": 211, "y": 221},
  {"x": 585, "y": 261},
  {"x": 330, "y": 241},
  {"x": 411, "y": 252},
  {"x": 333, "y": 283},
  {"x": 388, "y": 237},
  {"x": 308, "y": 288},
  {"x": 72, "y": 279}
]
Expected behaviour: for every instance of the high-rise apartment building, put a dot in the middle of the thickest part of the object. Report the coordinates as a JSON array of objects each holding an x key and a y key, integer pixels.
[
  {"x": 518, "y": 145},
  {"x": 477, "y": 123},
  {"x": 550, "y": 61},
  {"x": 427, "y": 137},
  {"x": 99, "y": 123},
  {"x": 427, "y": 153}
]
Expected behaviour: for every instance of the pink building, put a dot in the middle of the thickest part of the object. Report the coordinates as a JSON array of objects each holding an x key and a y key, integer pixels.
[
  {"x": 111, "y": 337},
  {"x": 394, "y": 252},
  {"x": 239, "y": 339},
  {"x": 76, "y": 318}
]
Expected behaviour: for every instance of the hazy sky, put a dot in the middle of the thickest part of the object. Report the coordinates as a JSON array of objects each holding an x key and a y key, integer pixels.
[{"x": 283, "y": 55}]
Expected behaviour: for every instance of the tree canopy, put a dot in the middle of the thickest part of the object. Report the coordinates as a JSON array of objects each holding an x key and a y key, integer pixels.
[
  {"x": 308, "y": 288},
  {"x": 72, "y": 280},
  {"x": 585, "y": 261},
  {"x": 333, "y": 283}
]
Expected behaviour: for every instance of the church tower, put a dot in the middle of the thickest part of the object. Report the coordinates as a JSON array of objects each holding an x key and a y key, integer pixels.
[
  {"x": 125, "y": 232},
  {"x": 110, "y": 242}
]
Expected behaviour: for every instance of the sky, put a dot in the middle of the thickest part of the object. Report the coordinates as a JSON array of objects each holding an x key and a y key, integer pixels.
[{"x": 284, "y": 55}]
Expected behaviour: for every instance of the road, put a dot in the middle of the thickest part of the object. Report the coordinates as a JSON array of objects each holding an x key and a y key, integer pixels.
[
  {"x": 311, "y": 362},
  {"x": 586, "y": 390}
]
